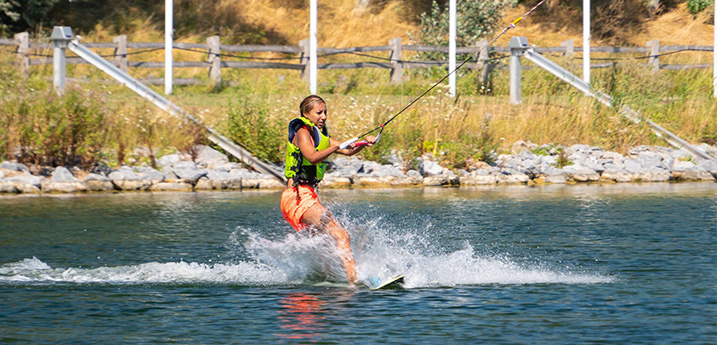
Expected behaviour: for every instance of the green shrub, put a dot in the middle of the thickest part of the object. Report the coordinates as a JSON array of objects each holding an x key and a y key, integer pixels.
[
  {"x": 250, "y": 125},
  {"x": 697, "y": 6}
]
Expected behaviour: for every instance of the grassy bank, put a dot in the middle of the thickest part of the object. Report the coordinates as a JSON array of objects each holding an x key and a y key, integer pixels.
[{"x": 100, "y": 122}]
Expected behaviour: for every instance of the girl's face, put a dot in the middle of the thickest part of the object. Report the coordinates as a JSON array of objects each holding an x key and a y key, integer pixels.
[{"x": 317, "y": 115}]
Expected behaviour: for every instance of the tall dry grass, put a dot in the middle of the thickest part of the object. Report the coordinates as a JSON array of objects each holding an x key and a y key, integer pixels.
[{"x": 456, "y": 130}]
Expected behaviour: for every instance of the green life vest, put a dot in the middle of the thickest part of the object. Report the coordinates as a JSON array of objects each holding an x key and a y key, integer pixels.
[{"x": 306, "y": 173}]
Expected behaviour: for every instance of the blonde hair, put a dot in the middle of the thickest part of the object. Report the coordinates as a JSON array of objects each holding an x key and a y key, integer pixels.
[{"x": 309, "y": 102}]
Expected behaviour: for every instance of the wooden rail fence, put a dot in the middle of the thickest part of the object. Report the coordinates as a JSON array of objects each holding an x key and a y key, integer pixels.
[{"x": 219, "y": 55}]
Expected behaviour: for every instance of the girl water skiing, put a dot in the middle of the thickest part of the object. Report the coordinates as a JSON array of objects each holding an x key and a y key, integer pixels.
[{"x": 309, "y": 145}]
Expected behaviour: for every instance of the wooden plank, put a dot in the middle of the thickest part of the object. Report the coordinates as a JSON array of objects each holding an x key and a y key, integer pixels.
[
  {"x": 48, "y": 61},
  {"x": 262, "y": 65},
  {"x": 354, "y": 65},
  {"x": 262, "y": 49},
  {"x": 144, "y": 45},
  {"x": 353, "y": 50},
  {"x": 678, "y": 67},
  {"x": 176, "y": 81},
  {"x": 668, "y": 48}
]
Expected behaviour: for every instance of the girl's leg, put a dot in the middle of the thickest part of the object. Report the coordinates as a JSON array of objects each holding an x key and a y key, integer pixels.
[{"x": 318, "y": 216}]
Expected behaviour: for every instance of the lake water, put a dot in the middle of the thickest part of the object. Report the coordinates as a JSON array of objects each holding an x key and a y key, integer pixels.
[{"x": 585, "y": 264}]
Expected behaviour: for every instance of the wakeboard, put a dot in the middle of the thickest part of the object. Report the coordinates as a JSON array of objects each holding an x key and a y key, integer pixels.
[{"x": 394, "y": 283}]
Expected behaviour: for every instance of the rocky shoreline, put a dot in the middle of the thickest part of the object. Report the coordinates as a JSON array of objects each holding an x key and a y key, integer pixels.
[{"x": 530, "y": 164}]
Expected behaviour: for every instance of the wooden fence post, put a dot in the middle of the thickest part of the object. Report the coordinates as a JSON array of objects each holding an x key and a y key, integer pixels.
[
  {"x": 121, "y": 52},
  {"x": 569, "y": 47},
  {"x": 654, "y": 59},
  {"x": 23, "y": 49},
  {"x": 215, "y": 67},
  {"x": 304, "y": 59},
  {"x": 396, "y": 63},
  {"x": 485, "y": 66}
]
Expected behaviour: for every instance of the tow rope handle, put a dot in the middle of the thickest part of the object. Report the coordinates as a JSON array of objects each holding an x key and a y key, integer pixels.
[{"x": 356, "y": 143}]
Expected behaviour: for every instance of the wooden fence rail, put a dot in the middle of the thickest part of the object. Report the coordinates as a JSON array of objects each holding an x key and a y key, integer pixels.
[{"x": 219, "y": 55}]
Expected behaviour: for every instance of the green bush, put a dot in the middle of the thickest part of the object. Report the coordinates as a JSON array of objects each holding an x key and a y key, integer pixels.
[
  {"x": 53, "y": 130},
  {"x": 697, "y": 6},
  {"x": 250, "y": 125}
]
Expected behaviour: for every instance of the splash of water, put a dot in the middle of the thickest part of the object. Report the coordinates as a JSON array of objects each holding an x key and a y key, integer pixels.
[{"x": 298, "y": 259}]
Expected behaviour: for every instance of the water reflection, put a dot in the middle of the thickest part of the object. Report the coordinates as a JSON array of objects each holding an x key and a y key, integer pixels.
[{"x": 301, "y": 316}]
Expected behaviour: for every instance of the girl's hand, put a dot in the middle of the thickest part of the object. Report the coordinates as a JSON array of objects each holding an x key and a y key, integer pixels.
[{"x": 371, "y": 140}]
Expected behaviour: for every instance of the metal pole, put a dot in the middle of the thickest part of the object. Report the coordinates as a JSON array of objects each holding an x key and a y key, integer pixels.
[
  {"x": 313, "y": 42},
  {"x": 168, "y": 37},
  {"x": 60, "y": 36},
  {"x": 586, "y": 41},
  {"x": 517, "y": 46},
  {"x": 452, "y": 49}
]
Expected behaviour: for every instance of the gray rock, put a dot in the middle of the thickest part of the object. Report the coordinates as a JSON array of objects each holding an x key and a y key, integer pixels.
[
  {"x": 649, "y": 159},
  {"x": 168, "y": 160},
  {"x": 61, "y": 174},
  {"x": 511, "y": 177},
  {"x": 679, "y": 165},
  {"x": 27, "y": 179},
  {"x": 130, "y": 185},
  {"x": 95, "y": 177},
  {"x": 347, "y": 166},
  {"x": 556, "y": 178},
  {"x": 388, "y": 170},
  {"x": 679, "y": 154},
  {"x": 151, "y": 174},
  {"x": 98, "y": 183},
  {"x": 124, "y": 173},
  {"x": 2, "y": 175},
  {"x": 594, "y": 166},
  {"x": 435, "y": 180},
  {"x": 7, "y": 187},
  {"x": 632, "y": 166},
  {"x": 617, "y": 174},
  {"x": 476, "y": 179},
  {"x": 656, "y": 176},
  {"x": 709, "y": 165},
  {"x": 413, "y": 174},
  {"x": 63, "y": 187},
  {"x": 26, "y": 188},
  {"x": 396, "y": 160},
  {"x": 228, "y": 167},
  {"x": 168, "y": 173},
  {"x": 429, "y": 168},
  {"x": 14, "y": 167},
  {"x": 188, "y": 171},
  {"x": 210, "y": 158},
  {"x": 171, "y": 187},
  {"x": 697, "y": 174},
  {"x": 335, "y": 180},
  {"x": 579, "y": 173}
]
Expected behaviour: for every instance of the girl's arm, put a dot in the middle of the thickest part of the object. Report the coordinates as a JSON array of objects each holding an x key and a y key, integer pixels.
[
  {"x": 352, "y": 149},
  {"x": 303, "y": 140}
]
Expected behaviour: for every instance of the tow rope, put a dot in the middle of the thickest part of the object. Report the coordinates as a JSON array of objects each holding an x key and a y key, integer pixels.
[{"x": 380, "y": 128}]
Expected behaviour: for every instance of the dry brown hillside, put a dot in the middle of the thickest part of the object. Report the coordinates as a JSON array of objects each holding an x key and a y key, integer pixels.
[{"x": 344, "y": 23}]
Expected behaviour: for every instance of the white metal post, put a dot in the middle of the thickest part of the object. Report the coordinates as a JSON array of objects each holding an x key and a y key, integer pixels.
[
  {"x": 517, "y": 46},
  {"x": 452, "y": 49},
  {"x": 60, "y": 36},
  {"x": 313, "y": 43},
  {"x": 168, "y": 37},
  {"x": 586, "y": 41}
]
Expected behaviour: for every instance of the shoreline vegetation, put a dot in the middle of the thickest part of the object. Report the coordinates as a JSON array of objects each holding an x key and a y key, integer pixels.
[
  {"x": 210, "y": 170},
  {"x": 100, "y": 130}
]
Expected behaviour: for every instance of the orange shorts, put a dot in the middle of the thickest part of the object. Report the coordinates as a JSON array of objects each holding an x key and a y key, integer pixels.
[{"x": 293, "y": 209}]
